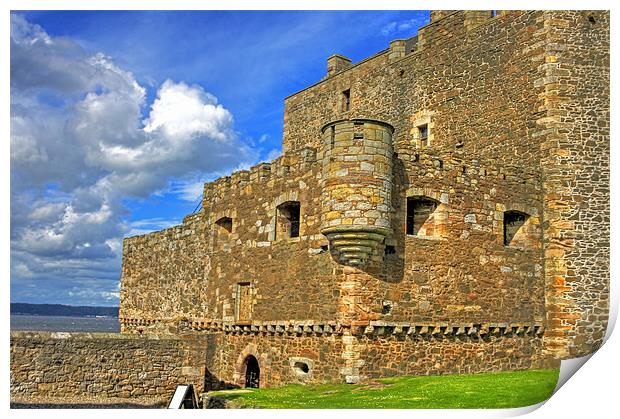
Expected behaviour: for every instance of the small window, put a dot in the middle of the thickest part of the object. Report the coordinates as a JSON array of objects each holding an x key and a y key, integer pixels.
[
  {"x": 514, "y": 233},
  {"x": 387, "y": 307},
  {"x": 301, "y": 367},
  {"x": 423, "y": 135},
  {"x": 421, "y": 216},
  {"x": 225, "y": 225},
  {"x": 346, "y": 100},
  {"x": 287, "y": 219},
  {"x": 390, "y": 250}
]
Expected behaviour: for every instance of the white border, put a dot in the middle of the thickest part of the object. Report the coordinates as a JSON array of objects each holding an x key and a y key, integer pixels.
[{"x": 592, "y": 393}]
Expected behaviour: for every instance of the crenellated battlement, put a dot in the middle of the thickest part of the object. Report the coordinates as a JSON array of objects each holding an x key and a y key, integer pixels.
[{"x": 283, "y": 167}]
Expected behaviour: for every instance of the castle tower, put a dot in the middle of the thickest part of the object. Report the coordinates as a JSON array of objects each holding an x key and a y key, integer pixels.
[{"x": 356, "y": 187}]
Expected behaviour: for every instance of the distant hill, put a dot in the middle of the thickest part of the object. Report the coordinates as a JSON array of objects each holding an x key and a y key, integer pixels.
[{"x": 62, "y": 310}]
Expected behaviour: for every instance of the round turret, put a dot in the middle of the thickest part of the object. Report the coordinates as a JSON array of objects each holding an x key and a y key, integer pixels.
[{"x": 356, "y": 187}]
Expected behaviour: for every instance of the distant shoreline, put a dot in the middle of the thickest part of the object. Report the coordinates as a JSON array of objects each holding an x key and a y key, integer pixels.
[
  {"x": 88, "y": 316},
  {"x": 63, "y": 310}
]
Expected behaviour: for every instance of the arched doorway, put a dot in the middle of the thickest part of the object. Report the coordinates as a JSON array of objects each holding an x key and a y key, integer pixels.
[{"x": 252, "y": 372}]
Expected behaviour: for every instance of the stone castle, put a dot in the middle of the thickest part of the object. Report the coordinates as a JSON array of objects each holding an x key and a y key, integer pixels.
[{"x": 440, "y": 207}]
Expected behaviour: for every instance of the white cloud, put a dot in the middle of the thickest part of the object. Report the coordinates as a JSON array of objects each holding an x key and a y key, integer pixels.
[
  {"x": 389, "y": 29},
  {"x": 190, "y": 190},
  {"x": 150, "y": 224},
  {"x": 75, "y": 159},
  {"x": 398, "y": 27},
  {"x": 22, "y": 270},
  {"x": 181, "y": 112}
]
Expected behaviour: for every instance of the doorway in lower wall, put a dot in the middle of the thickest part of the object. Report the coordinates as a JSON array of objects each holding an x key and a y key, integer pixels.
[{"x": 252, "y": 372}]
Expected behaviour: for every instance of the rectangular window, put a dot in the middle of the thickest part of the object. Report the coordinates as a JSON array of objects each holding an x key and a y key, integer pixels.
[
  {"x": 346, "y": 100},
  {"x": 295, "y": 221},
  {"x": 513, "y": 223},
  {"x": 287, "y": 219},
  {"x": 420, "y": 216},
  {"x": 225, "y": 224},
  {"x": 410, "y": 215},
  {"x": 423, "y": 135}
]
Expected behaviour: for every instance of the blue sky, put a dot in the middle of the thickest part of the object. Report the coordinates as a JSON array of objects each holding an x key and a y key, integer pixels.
[{"x": 117, "y": 118}]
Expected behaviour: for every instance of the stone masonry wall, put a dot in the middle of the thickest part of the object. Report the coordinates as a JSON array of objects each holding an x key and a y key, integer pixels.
[
  {"x": 168, "y": 276},
  {"x": 363, "y": 350},
  {"x": 105, "y": 364},
  {"x": 463, "y": 271},
  {"x": 574, "y": 126},
  {"x": 163, "y": 274},
  {"x": 277, "y": 355},
  {"x": 356, "y": 352},
  {"x": 432, "y": 355},
  {"x": 474, "y": 89}
]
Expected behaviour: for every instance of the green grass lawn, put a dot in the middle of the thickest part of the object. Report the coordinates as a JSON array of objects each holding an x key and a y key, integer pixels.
[{"x": 491, "y": 390}]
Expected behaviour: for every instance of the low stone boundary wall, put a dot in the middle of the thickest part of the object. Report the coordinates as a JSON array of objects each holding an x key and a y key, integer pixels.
[{"x": 58, "y": 364}]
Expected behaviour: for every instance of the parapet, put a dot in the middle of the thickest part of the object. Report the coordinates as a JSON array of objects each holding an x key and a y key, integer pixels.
[
  {"x": 439, "y": 14},
  {"x": 449, "y": 24},
  {"x": 296, "y": 161}
]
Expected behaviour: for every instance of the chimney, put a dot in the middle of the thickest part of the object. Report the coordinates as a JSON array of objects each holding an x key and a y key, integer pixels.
[
  {"x": 337, "y": 63},
  {"x": 398, "y": 49}
]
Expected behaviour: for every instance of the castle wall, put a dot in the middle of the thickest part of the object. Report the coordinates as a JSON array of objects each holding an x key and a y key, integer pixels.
[
  {"x": 164, "y": 274},
  {"x": 105, "y": 364},
  {"x": 277, "y": 355},
  {"x": 400, "y": 355},
  {"x": 473, "y": 87},
  {"x": 574, "y": 126},
  {"x": 463, "y": 272},
  {"x": 289, "y": 277},
  {"x": 498, "y": 144},
  {"x": 193, "y": 271},
  {"x": 363, "y": 350}
]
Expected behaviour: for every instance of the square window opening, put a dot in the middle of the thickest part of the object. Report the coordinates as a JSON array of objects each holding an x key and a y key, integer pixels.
[
  {"x": 225, "y": 224},
  {"x": 287, "y": 223},
  {"x": 420, "y": 216}
]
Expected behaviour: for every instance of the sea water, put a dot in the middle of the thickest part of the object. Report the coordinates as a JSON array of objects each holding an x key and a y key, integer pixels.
[{"x": 64, "y": 323}]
